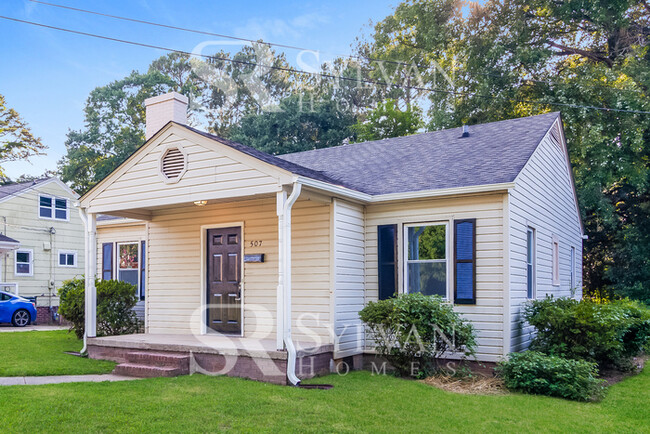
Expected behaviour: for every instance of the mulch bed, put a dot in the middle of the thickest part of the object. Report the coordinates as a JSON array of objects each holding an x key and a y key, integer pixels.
[
  {"x": 475, "y": 385},
  {"x": 613, "y": 376}
]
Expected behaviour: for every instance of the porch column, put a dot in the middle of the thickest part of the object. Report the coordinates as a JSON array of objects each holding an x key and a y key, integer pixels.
[
  {"x": 91, "y": 272},
  {"x": 281, "y": 200}
]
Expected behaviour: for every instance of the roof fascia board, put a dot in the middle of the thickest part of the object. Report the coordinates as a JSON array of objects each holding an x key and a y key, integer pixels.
[{"x": 367, "y": 198}]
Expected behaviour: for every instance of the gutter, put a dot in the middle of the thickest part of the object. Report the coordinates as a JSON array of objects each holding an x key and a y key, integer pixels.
[
  {"x": 286, "y": 290},
  {"x": 358, "y": 196}
]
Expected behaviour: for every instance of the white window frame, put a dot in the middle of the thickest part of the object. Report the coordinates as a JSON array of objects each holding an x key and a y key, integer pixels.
[
  {"x": 116, "y": 268},
  {"x": 31, "y": 262},
  {"x": 447, "y": 260},
  {"x": 555, "y": 261},
  {"x": 66, "y": 252},
  {"x": 573, "y": 268},
  {"x": 53, "y": 208},
  {"x": 532, "y": 263}
]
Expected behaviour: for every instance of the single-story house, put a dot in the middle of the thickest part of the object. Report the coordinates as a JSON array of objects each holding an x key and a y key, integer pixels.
[{"x": 255, "y": 259}]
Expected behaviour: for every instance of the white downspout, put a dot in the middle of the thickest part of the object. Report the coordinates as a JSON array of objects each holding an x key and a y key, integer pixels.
[
  {"x": 288, "y": 342},
  {"x": 84, "y": 219}
]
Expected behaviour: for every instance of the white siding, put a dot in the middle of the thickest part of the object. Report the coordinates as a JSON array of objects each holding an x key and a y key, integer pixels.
[
  {"x": 348, "y": 221},
  {"x": 23, "y": 224},
  {"x": 488, "y": 313},
  {"x": 212, "y": 173},
  {"x": 543, "y": 198}
]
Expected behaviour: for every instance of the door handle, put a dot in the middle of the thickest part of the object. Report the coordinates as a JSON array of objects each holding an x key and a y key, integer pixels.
[{"x": 238, "y": 298}]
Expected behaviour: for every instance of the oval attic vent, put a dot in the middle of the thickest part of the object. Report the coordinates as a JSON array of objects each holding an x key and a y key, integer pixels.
[{"x": 173, "y": 163}]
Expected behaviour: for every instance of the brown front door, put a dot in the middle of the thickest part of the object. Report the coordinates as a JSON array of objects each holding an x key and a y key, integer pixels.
[{"x": 224, "y": 280}]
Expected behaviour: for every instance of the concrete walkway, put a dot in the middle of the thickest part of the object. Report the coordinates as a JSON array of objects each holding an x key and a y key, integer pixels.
[
  {"x": 31, "y": 328},
  {"x": 56, "y": 379}
]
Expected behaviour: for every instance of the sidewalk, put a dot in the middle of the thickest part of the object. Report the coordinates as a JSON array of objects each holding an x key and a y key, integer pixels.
[
  {"x": 31, "y": 328},
  {"x": 56, "y": 379}
]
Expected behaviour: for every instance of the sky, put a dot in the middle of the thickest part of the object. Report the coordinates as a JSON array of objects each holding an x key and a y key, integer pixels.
[{"x": 46, "y": 75}]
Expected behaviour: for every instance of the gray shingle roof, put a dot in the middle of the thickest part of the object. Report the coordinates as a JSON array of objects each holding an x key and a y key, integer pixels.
[
  {"x": 13, "y": 189},
  {"x": 6, "y": 239},
  {"x": 493, "y": 153}
]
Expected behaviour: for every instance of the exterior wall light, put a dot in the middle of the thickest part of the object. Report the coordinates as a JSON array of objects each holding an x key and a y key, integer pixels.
[{"x": 200, "y": 202}]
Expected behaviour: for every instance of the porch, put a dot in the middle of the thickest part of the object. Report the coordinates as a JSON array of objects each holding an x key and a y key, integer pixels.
[{"x": 149, "y": 355}]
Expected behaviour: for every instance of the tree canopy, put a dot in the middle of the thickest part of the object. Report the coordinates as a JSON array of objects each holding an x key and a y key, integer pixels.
[{"x": 17, "y": 142}]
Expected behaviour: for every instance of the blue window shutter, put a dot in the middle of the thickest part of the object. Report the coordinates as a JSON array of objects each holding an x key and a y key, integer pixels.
[
  {"x": 465, "y": 261},
  {"x": 143, "y": 262},
  {"x": 107, "y": 261},
  {"x": 387, "y": 260}
]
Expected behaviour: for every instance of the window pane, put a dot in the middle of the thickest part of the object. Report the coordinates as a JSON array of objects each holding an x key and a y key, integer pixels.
[
  {"x": 529, "y": 280},
  {"x": 70, "y": 259},
  {"x": 61, "y": 214},
  {"x": 429, "y": 278},
  {"x": 128, "y": 256},
  {"x": 129, "y": 276},
  {"x": 45, "y": 212},
  {"x": 62, "y": 259},
  {"x": 22, "y": 268},
  {"x": 22, "y": 257},
  {"x": 530, "y": 246},
  {"x": 427, "y": 242},
  {"x": 45, "y": 201},
  {"x": 61, "y": 203}
]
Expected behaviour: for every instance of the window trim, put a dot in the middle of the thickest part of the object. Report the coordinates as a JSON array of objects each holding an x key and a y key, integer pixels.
[
  {"x": 405, "y": 245},
  {"x": 533, "y": 263},
  {"x": 116, "y": 268},
  {"x": 67, "y": 252},
  {"x": 31, "y": 262},
  {"x": 555, "y": 261},
  {"x": 53, "y": 208}
]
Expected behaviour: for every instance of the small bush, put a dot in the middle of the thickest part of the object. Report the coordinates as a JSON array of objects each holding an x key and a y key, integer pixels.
[
  {"x": 412, "y": 331},
  {"x": 115, "y": 302},
  {"x": 607, "y": 333},
  {"x": 539, "y": 374}
]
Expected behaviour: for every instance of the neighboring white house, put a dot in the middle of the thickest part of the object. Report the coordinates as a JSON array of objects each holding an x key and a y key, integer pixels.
[
  {"x": 41, "y": 217},
  {"x": 276, "y": 249}
]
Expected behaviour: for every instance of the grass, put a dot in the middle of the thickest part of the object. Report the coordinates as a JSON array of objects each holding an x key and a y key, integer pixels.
[
  {"x": 359, "y": 402},
  {"x": 40, "y": 353}
]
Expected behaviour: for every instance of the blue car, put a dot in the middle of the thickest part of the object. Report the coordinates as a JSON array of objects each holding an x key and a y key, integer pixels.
[{"x": 17, "y": 310}]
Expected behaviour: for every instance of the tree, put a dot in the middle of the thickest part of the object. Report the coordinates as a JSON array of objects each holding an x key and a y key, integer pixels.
[
  {"x": 298, "y": 125},
  {"x": 515, "y": 58},
  {"x": 387, "y": 120},
  {"x": 16, "y": 139}
]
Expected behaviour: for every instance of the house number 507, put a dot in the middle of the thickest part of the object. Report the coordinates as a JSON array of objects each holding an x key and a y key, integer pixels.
[{"x": 257, "y": 243}]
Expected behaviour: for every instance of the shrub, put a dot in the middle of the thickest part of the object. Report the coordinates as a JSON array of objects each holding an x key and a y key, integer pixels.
[
  {"x": 607, "y": 333},
  {"x": 539, "y": 374},
  {"x": 413, "y": 331},
  {"x": 115, "y": 302}
]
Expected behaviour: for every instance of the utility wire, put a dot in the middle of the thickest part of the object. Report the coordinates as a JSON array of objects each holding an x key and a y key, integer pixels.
[
  {"x": 290, "y": 47},
  {"x": 318, "y": 74}
]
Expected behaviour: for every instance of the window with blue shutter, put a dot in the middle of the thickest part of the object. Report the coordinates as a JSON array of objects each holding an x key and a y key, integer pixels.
[
  {"x": 387, "y": 260},
  {"x": 107, "y": 261},
  {"x": 142, "y": 268},
  {"x": 465, "y": 261}
]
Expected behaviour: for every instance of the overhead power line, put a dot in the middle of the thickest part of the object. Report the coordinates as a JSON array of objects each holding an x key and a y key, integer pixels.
[
  {"x": 316, "y": 74},
  {"x": 527, "y": 81}
]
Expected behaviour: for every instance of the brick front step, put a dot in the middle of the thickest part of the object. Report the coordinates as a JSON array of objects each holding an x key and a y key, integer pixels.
[
  {"x": 181, "y": 361},
  {"x": 146, "y": 371}
]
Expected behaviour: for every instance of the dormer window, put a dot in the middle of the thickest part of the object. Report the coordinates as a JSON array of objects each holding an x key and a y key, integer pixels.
[{"x": 52, "y": 208}]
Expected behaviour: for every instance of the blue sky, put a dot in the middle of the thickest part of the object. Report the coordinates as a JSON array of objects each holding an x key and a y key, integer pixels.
[{"x": 46, "y": 75}]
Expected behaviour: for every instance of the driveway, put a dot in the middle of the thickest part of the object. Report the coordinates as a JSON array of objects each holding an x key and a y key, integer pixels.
[{"x": 30, "y": 328}]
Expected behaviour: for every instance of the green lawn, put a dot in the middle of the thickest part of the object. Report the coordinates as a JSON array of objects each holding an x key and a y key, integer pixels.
[
  {"x": 42, "y": 353},
  {"x": 359, "y": 402}
]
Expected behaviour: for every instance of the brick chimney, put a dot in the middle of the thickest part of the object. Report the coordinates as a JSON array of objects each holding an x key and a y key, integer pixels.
[{"x": 162, "y": 109}]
